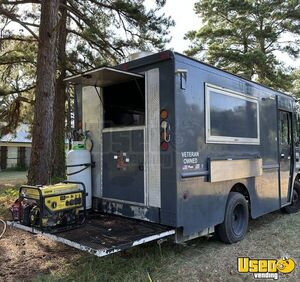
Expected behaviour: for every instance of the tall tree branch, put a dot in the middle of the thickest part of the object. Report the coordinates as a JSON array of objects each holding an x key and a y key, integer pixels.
[
  {"x": 16, "y": 38},
  {"x": 20, "y": 2},
  {"x": 15, "y": 91},
  {"x": 14, "y": 18}
]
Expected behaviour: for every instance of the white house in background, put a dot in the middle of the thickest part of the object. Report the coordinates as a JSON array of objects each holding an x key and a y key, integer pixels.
[{"x": 15, "y": 149}]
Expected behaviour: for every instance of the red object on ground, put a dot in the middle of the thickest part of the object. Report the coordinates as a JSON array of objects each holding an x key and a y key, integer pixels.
[{"x": 16, "y": 210}]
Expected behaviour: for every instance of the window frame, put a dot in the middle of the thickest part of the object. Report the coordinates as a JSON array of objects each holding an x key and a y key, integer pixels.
[
  {"x": 287, "y": 121},
  {"x": 228, "y": 139}
]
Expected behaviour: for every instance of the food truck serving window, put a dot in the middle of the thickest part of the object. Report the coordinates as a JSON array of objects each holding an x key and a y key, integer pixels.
[
  {"x": 124, "y": 104},
  {"x": 123, "y": 95},
  {"x": 231, "y": 118}
]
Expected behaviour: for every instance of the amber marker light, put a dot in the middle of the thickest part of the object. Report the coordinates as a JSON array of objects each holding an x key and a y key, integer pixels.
[{"x": 163, "y": 114}]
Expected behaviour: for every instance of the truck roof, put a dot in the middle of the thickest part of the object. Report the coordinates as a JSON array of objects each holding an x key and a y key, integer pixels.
[
  {"x": 166, "y": 55},
  {"x": 236, "y": 75}
]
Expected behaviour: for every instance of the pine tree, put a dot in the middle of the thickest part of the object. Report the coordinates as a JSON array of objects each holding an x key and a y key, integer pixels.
[
  {"x": 17, "y": 82},
  {"x": 296, "y": 83},
  {"x": 95, "y": 32},
  {"x": 40, "y": 160},
  {"x": 242, "y": 36}
]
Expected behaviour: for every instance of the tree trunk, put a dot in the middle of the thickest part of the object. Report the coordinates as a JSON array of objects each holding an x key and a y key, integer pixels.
[
  {"x": 40, "y": 162},
  {"x": 58, "y": 141}
]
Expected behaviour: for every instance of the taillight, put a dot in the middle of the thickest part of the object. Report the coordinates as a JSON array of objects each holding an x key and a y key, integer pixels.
[{"x": 164, "y": 146}]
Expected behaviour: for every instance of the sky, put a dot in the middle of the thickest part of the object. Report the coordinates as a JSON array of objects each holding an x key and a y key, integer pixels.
[{"x": 182, "y": 12}]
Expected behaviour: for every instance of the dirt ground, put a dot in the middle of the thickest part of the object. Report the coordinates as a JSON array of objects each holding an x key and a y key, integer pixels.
[
  {"x": 24, "y": 256},
  {"x": 27, "y": 257}
]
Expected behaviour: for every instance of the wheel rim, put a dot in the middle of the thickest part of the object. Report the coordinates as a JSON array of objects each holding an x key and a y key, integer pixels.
[{"x": 238, "y": 220}]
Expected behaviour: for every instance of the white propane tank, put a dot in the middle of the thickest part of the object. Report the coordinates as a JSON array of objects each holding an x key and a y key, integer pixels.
[{"x": 79, "y": 170}]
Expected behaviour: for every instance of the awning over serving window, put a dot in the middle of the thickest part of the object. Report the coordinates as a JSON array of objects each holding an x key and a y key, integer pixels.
[{"x": 103, "y": 77}]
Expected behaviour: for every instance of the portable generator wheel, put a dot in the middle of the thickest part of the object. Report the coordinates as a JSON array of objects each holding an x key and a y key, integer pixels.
[
  {"x": 235, "y": 225},
  {"x": 295, "y": 205},
  {"x": 34, "y": 216}
]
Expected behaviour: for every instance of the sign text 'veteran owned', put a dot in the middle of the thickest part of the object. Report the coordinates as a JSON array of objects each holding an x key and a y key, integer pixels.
[{"x": 190, "y": 157}]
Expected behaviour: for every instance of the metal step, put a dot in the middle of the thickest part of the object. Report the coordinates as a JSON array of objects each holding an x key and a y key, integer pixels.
[{"x": 105, "y": 234}]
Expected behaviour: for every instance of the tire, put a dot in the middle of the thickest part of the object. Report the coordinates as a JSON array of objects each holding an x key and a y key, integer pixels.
[
  {"x": 295, "y": 205},
  {"x": 235, "y": 225}
]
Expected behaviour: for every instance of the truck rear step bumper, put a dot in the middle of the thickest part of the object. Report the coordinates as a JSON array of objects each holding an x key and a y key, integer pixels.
[{"x": 104, "y": 234}]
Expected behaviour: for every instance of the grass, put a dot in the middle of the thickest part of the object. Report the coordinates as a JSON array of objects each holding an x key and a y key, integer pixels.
[
  {"x": 12, "y": 178},
  {"x": 204, "y": 259},
  {"x": 9, "y": 184},
  {"x": 7, "y": 197}
]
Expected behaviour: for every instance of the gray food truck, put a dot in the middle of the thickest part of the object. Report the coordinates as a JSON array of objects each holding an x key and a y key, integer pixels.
[{"x": 181, "y": 149}]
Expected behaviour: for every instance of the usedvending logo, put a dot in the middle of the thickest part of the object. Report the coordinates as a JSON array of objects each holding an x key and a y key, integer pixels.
[{"x": 266, "y": 268}]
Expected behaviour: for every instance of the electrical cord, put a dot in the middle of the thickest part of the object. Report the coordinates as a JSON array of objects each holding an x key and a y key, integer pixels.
[{"x": 4, "y": 228}]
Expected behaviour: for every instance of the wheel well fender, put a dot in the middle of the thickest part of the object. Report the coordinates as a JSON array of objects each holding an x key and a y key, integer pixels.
[
  {"x": 297, "y": 177},
  {"x": 242, "y": 189}
]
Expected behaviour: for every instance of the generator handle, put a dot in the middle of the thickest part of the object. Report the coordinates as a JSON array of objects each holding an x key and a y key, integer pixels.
[
  {"x": 30, "y": 187},
  {"x": 84, "y": 192}
]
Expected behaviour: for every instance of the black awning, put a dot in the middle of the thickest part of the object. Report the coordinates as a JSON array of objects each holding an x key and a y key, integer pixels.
[{"x": 103, "y": 77}]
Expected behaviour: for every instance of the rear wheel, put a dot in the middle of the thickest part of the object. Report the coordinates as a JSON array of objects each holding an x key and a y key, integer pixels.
[
  {"x": 295, "y": 205},
  {"x": 235, "y": 225}
]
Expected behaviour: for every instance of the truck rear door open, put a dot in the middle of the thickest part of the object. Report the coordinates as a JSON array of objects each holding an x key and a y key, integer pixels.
[
  {"x": 125, "y": 100},
  {"x": 104, "y": 234}
]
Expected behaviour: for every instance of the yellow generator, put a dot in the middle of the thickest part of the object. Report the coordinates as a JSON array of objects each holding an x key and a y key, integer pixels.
[{"x": 51, "y": 208}]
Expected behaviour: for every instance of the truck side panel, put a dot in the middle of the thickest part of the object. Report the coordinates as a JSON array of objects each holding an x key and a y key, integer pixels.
[{"x": 202, "y": 204}]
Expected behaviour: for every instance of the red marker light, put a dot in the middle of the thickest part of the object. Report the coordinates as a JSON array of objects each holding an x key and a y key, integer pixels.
[
  {"x": 164, "y": 146},
  {"x": 164, "y": 55}
]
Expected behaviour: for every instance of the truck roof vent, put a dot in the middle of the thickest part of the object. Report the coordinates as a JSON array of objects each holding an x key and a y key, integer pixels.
[{"x": 138, "y": 55}]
